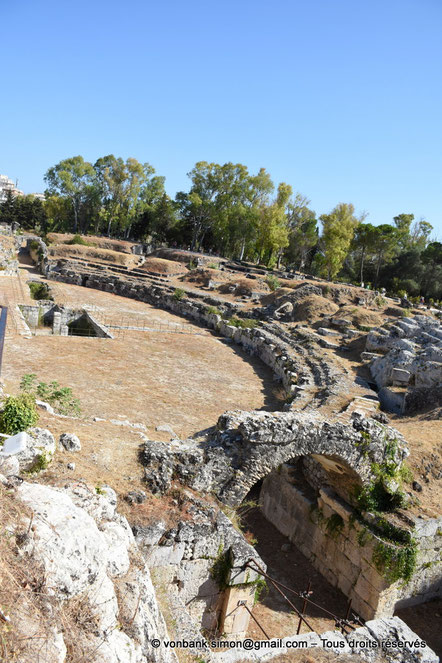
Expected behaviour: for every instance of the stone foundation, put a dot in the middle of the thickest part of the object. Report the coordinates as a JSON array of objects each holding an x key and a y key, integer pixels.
[{"x": 326, "y": 531}]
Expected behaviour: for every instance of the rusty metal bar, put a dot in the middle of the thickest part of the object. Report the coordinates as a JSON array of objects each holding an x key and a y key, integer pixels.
[
  {"x": 304, "y": 605},
  {"x": 289, "y": 589},
  {"x": 275, "y": 584},
  {"x": 244, "y": 605}
]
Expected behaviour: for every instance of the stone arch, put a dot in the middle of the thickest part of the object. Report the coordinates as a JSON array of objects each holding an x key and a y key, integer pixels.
[{"x": 256, "y": 443}]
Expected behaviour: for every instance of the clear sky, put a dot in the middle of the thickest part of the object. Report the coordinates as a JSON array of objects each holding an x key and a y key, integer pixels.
[{"x": 342, "y": 99}]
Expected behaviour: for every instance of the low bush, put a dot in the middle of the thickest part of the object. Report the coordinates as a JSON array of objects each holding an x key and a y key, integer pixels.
[
  {"x": 18, "y": 414},
  {"x": 39, "y": 291},
  {"x": 243, "y": 323},
  {"x": 272, "y": 282},
  {"x": 77, "y": 239},
  {"x": 61, "y": 398}
]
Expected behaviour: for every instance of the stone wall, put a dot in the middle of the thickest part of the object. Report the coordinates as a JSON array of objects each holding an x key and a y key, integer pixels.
[
  {"x": 246, "y": 446},
  {"x": 342, "y": 548},
  {"x": 407, "y": 356},
  {"x": 60, "y": 317},
  {"x": 203, "y": 560}
]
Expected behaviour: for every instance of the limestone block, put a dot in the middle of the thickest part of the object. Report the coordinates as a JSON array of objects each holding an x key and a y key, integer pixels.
[
  {"x": 235, "y": 618},
  {"x": 39, "y": 443},
  {"x": 69, "y": 442},
  {"x": 394, "y": 629},
  {"x": 400, "y": 376}
]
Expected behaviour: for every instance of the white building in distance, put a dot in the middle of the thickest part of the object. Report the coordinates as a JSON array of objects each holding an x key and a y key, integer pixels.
[{"x": 6, "y": 184}]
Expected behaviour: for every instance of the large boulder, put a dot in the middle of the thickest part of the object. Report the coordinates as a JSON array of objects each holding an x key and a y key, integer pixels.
[
  {"x": 84, "y": 548},
  {"x": 69, "y": 442},
  {"x": 39, "y": 450}
]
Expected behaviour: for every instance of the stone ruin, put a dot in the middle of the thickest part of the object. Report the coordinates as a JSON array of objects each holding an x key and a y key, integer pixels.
[
  {"x": 306, "y": 470},
  {"x": 406, "y": 363},
  {"x": 62, "y": 320}
]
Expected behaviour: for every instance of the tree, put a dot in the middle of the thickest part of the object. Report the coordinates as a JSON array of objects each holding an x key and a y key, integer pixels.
[
  {"x": 224, "y": 204},
  {"x": 303, "y": 232},
  {"x": 420, "y": 233},
  {"x": 8, "y": 209},
  {"x": 403, "y": 224},
  {"x": 432, "y": 280},
  {"x": 364, "y": 244},
  {"x": 385, "y": 246},
  {"x": 75, "y": 179},
  {"x": 272, "y": 235},
  {"x": 338, "y": 230}
]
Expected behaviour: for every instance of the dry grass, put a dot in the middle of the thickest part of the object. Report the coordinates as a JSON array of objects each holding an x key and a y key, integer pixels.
[
  {"x": 360, "y": 315},
  {"x": 163, "y": 266},
  {"x": 23, "y": 599},
  {"x": 92, "y": 253},
  {"x": 118, "y": 245},
  {"x": 245, "y": 286},
  {"x": 186, "y": 257},
  {"x": 202, "y": 276}
]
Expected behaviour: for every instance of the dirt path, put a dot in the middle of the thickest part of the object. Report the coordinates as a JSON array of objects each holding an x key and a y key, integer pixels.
[
  {"x": 186, "y": 380},
  {"x": 293, "y": 570}
]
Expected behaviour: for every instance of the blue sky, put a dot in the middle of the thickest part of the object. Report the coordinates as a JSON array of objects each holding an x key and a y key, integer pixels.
[{"x": 342, "y": 99}]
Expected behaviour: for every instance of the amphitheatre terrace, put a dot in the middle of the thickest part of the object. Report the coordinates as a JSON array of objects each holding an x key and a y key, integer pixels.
[{"x": 219, "y": 410}]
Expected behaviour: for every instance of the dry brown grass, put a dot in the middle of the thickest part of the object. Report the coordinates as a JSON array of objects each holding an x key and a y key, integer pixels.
[
  {"x": 202, "y": 276},
  {"x": 118, "y": 245},
  {"x": 360, "y": 315},
  {"x": 186, "y": 256},
  {"x": 23, "y": 598},
  {"x": 92, "y": 253},
  {"x": 163, "y": 266},
  {"x": 245, "y": 286}
]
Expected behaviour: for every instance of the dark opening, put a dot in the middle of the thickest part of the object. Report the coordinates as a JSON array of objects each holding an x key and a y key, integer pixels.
[{"x": 81, "y": 327}]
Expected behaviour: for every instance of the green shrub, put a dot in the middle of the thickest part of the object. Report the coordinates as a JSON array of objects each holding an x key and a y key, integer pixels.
[
  {"x": 272, "y": 282},
  {"x": 78, "y": 239},
  {"x": 212, "y": 265},
  {"x": 39, "y": 291},
  {"x": 61, "y": 398},
  {"x": 34, "y": 245},
  {"x": 375, "y": 497},
  {"x": 179, "y": 294},
  {"x": 18, "y": 414},
  {"x": 221, "y": 567},
  {"x": 260, "y": 588},
  {"x": 395, "y": 563},
  {"x": 243, "y": 323},
  {"x": 41, "y": 463},
  {"x": 213, "y": 310}
]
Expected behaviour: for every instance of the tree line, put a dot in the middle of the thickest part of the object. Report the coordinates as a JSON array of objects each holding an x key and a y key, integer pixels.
[{"x": 234, "y": 213}]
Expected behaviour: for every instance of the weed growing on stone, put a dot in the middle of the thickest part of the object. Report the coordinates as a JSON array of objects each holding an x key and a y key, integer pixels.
[
  {"x": 41, "y": 463},
  {"x": 261, "y": 587},
  {"x": 395, "y": 563},
  {"x": 213, "y": 310},
  {"x": 221, "y": 567},
  {"x": 179, "y": 294},
  {"x": 335, "y": 525},
  {"x": 243, "y": 323}
]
